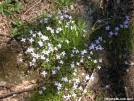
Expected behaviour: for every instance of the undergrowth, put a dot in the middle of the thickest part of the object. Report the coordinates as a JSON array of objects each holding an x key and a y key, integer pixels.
[
  {"x": 61, "y": 44},
  {"x": 8, "y": 7}
]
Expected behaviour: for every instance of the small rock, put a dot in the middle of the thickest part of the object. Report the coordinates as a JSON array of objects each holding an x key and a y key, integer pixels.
[
  {"x": 127, "y": 70},
  {"x": 33, "y": 81},
  {"x": 29, "y": 86},
  {"x": 9, "y": 86},
  {"x": 3, "y": 83},
  {"x": 23, "y": 17},
  {"x": 91, "y": 82},
  {"x": 25, "y": 82}
]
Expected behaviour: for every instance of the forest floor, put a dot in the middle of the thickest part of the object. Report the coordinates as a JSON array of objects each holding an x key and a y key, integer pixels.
[{"x": 13, "y": 82}]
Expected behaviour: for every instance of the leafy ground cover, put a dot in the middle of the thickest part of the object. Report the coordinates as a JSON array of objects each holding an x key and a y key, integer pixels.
[{"x": 71, "y": 56}]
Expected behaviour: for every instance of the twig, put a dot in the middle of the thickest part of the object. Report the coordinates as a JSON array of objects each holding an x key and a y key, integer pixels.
[
  {"x": 32, "y": 6},
  {"x": 15, "y": 92},
  {"x": 4, "y": 35}
]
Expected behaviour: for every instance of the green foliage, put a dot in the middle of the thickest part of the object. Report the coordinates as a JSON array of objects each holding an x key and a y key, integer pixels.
[
  {"x": 56, "y": 40},
  {"x": 60, "y": 4},
  {"x": 19, "y": 29},
  {"x": 50, "y": 94},
  {"x": 8, "y": 7}
]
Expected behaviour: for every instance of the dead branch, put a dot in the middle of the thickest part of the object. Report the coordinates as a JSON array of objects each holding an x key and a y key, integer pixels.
[
  {"x": 33, "y": 6},
  {"x": 4, "y": 35},
  {"x": 15, "y": 92}
]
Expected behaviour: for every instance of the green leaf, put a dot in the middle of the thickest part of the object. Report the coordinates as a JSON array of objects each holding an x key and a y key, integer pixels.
[
  {"x": 8, "y": 1},
  {"x": 14, "y": 30},
  {"x": 62, "y": 1}
]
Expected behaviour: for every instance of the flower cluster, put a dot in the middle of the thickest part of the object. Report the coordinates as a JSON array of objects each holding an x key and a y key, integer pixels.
[
  {"x": 119, "y": 36},
  {"x": 59, "y": 48},
  {"x": 116, "y": 29}
]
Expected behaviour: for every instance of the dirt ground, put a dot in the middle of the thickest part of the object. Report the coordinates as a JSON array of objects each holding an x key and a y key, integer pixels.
[{"x": 29, "y": 14}]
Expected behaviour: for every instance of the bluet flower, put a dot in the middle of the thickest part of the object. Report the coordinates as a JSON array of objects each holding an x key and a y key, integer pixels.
[
  {"x": 74, "y": 73},
  {"x": 31, "y": 64},
  {"x": 80, "y": 88},
  {"x": 100, "y": 60},
  {"x": 64, "y": 79},
  {"x": 91, "y": 52},
  {"x": 66, "y": 16},
  {"x": 72, "y": 7},
  {"x": 29, "y": 50},
  {"x": 100, "y": 38},
  {"x": 70, "y": 17},
  {"x": 92, "y": 78},
  {"x": 95, "y": 61},
  {"x": 44, "y": 38},
  {"x": 59, "y": 12},
  {"x": 54, "y": 72},
  {"x": 44, "y": 73},
  {"x": 126, "y": 22},
  {"x": 89, "y": 57},
  {"x": 48, "y": 28},
  {"x": 23, "y": 39},
  {"x": 127, "y": 17},
  {"x": 125, "y": 26},
  {"x": 39, "y": 33},
  {"x": 42, "y": 57},
  {"x": 107, "y": 27},
  {"x": 34, "y": 35},
  {"x": 67, "y": 41},
  {"x": 99, "y": 67},
  {"x": 72, "y": 65},
  {"x": 44, "y": 88},
  {"x": 40, "y": 43},
  {"x": 47, "y": 59},
  {"x": 116, "y": 33},
  {"x": 87, "y": 77},
  {"x": 50, "y": 15},
  {"x": 33, "y": 60},
  {"x": 73, "y": 95},
  {"x": 40, "y": 92},
  {"x": 117, "y": 28},
  {"x": 58, "y": 67},
  {"x": 45, "y": 20},
  {"x": 52, "y": 31},
  {"x": 20, "y": 60},
  {"x": 31, "y": 32},
  {"x": 111, "y": 33},
  {"x": 59, "y": 45},
  {"x": 75, "y": 86},
  {"x": 83, "y": 52},
  {"x": 63, "y": 53},
  {"x": 121, "y": 26},
  {"x": 61, "y": 17},
  {"x": 77, "y": 63},
  {"x": 31, "y": 40},
  {"x": 61, "y": 62},
  {"x": 58, "y": 57}
]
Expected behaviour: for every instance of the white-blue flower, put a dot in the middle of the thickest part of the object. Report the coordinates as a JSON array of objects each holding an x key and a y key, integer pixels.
[
  {"x": 44, "y": 73},
  {"x": 44, "y": 38},
  {"x": 40, "y": 43},
  {"x": 40, "y": 92},
  {"x": 107, "y": 27},
  {"x": 44, "y": 88}
]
